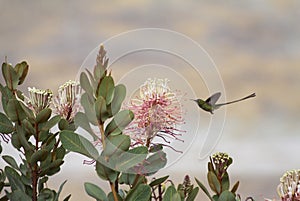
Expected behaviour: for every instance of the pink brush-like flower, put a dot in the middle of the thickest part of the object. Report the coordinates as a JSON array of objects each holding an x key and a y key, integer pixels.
[
  {"x": 289, "y": 187},
  {"x": 67, "y": 102},
  {"x": 158, "y": 113}
]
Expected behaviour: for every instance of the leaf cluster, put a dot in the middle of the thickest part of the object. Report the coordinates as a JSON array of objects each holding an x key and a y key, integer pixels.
[{"x": 40, "y": 151}]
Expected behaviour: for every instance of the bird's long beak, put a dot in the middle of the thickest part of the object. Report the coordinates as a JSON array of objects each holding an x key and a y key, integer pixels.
[{"x": 193, "y": 100}]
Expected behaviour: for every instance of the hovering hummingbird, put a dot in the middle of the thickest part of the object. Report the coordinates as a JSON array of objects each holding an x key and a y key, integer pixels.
[{"x": 210, "y": 105}]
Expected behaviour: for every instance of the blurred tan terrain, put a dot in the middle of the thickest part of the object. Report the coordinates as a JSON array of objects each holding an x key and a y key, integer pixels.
[{"x": 255, "y": 45}]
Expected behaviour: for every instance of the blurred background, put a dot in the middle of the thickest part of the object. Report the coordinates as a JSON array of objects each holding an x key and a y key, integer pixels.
[{"x": 255, "y": 45}]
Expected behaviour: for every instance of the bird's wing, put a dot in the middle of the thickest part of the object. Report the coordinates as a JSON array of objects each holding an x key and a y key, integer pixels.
[{"x": 213, "y": 99}]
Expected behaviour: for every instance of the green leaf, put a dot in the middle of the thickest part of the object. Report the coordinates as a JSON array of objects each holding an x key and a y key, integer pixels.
[
  {"x": 214, "y": 182},
  {"x": 225, "y": 182},
  {"x": 104, "y": 172},
  {"x": 43, "y": 115},
  {"x": 131, "y": 158},
  {"x": 41, "y": 183},
  {"x": 210, "y": 166},
  {"x": 22, "y": 71},
  {"x": 77, "y": 143},
  {"x": 171, "y": 194},
  {"x": 15, "y": 141},
  {"x": 59, "y": 191},
  {"x": 28, "y": 127},
  {"x": 192, "y": 195},
  {"x": 106, "y": 89},
  {"x": 141, "y": 193},
  {"x": 127, "y": 178},
  {"x": 51, "y": 168},
  {"x": 19, "y": 195},
  {"x": 14, "y": 179},
  {"x": 85, "y": 84},
  {"x": 6, "y": 126},
  {"x": 81, "y": 120},
  {"x": 158, "y": 181},
  {"x": 116, "y": 144},
  {"x": 22, "y": 139},
  {"x": 119, "y": 122},
  {"x": 95, "y": 192},
  {"x": 235, "y": 187},
  {"x": 92, "y": 79},
  {"x": 51, "y": 123},
  {"x": 63, "y": 124},
  {"x": 110, "y": 197},
  {"x": 155, "y": 162},
  {"x": 39, "y": 155},
  {"x": 100, "y": 109},
  {"x": 28, "y": 112},
  {"x": 60, "y": 152},
  {"x": 15, "y": 111},
  {"x": 89, "y": 108},
  {"x": 119, "y": 96},
  {"x": 226, "y": 196},
  {"x": 204, "y": 189},
  {"x": 46, "y": 195},
  {"x": 11, "y": 161},
  {"x": 10, "y": 76},
  {"x": 6, "y": 95}
]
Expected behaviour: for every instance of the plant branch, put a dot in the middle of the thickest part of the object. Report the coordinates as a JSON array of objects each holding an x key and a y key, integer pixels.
[{"x": 113, "y": 190}]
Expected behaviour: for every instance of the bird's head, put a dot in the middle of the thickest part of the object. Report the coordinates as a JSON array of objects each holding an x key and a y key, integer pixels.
[{"x": 199, "y": 101}]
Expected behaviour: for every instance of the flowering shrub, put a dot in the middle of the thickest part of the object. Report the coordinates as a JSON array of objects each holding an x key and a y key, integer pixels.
[{"x": 128, "y": 140}]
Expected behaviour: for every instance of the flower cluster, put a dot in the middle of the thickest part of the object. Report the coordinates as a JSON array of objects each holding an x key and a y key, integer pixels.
[
  {"x": 289, "y": 187},
  {"x": 39, "y": 99},
  {"x": 67, "y": 102},
  {"x": 221, "y": 162},
  {"x": 157, "y": 113}
]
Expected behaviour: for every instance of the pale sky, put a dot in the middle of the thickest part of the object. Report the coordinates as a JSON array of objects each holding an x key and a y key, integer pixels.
[{"x": 254, "y": 44}]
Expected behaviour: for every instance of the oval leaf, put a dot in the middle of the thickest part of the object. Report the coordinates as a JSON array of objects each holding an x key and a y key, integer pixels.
[
  {"x": 116, "y": 145},
  {"x": 192, "y": 195},
  {"x": 119, "y": 122},
  {"x": 214, "y": 182},
  {"x": 100, "y": 109},
  {"x": 158, "y": 181},
  {"x": 6, "y": 126},
  {"x": 89, "y": 108},
  {"x": 227, "y": 196},
  {"x": 11, "y": 161},
  {"x": 106, "y": 89},
  {"x": 81, "y": 120},
  {"x": 225, "y": 182},
  {"x": 95, "y": 191},
  {"x": 19, "y": 195},
  {"x": 15, "y": 111},
  {"x": 154, "y": 162},
  {"x": 171, "y": 194},
  {"x": 85, "y": 84},
  {"x": 10, "y": 76},
  {"x": 104, "y": 172},
  {"x": 141, "y": 193},
  {"x": 22, "y": 70},
  {"x": 119, "y": 96},
  {"x": 131, "y": 158},
  {"x": 39, "y": 155},
  {"x": 14, "y": 179},
  {"x": 79, "y": 144}
]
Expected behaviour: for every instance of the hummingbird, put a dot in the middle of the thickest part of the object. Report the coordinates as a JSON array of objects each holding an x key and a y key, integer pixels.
[{"x": 210, "y": 105}]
